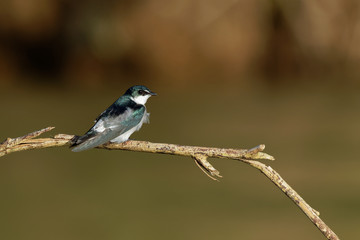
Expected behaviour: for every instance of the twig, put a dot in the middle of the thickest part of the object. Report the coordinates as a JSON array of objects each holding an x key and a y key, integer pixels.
[
  {"x": 199, "y": 154},
  {"x": 202, "y": 162}
]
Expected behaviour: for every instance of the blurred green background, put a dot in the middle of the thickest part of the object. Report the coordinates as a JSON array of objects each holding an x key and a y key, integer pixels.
[{"x": 228, "y": 74}]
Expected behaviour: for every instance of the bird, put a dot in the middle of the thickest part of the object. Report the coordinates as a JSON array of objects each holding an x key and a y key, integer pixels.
[{"x": 116, "y": 124}]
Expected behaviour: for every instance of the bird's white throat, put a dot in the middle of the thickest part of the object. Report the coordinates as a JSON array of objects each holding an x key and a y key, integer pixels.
[{"x": 140, "y": 99}]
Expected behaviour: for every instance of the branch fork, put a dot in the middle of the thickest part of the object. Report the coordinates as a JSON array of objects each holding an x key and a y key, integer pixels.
[{"x": 204, "y": 165}]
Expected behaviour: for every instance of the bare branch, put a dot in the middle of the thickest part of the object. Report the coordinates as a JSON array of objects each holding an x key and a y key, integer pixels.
[
  {"x": 312, "y": 214},
  {"x": 199, "y": 154},
  {"x": 15, "y": 141}
]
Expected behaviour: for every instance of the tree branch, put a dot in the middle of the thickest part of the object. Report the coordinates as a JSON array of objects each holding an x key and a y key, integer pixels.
[{"x": 199, "y": 154}]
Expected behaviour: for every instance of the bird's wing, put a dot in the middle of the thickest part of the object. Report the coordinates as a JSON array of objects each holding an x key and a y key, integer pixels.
[
  {"x": 113, "y": 127},
  {"x": 122, "y": 123}
]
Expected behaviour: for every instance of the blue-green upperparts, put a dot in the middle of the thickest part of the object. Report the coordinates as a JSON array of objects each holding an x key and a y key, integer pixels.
[{"x": 125, "y": 116}]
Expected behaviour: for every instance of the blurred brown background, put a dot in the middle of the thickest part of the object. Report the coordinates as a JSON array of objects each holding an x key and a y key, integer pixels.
[{"x": 228, "y": 74}]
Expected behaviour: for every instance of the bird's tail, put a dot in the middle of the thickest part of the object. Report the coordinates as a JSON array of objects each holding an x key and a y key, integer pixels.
[
  {"x": 91, "y": 140},
  {"x": 74, "y": 141},
  {"x": 78, "y": 140}
]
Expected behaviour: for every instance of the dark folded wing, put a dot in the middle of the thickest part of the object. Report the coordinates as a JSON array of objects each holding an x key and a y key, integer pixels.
[{"x": 114, "y": 126}]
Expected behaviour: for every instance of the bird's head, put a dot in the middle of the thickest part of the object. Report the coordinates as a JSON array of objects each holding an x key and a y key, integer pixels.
[{"x": 140, "y": 94}]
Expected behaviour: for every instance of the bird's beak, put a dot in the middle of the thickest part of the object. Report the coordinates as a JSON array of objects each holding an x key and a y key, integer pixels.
[{"x": 153, "y": 94}]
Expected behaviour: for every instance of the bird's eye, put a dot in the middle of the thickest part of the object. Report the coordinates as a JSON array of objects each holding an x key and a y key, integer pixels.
[{"x": 142, "y": 92}]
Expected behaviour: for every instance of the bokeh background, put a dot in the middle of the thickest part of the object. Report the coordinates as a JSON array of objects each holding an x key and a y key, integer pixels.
[{"x": 232, "y": 73}]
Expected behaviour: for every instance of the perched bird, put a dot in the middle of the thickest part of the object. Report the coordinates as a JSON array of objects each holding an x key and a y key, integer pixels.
[{"x": 125, "y": 116}]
